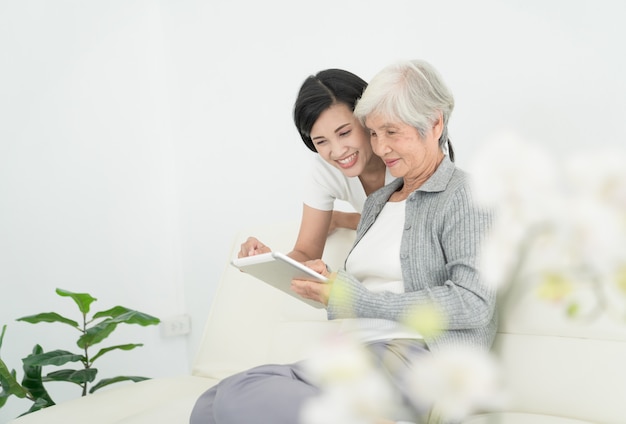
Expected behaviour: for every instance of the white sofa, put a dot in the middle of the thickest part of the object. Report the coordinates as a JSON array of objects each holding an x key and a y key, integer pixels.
[{"x": 555, "y": 372}]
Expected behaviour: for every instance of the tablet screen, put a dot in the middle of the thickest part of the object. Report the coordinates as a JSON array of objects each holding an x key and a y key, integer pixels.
[{"x": 278, "y": 269}]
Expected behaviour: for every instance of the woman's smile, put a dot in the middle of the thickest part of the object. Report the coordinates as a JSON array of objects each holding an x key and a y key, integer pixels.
[
  {"x": 348, "y": 161},
  {"x": 391, "y": 162}
]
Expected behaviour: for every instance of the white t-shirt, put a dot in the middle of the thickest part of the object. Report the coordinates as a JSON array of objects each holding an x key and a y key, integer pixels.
[{"x": 327, "y": 184}]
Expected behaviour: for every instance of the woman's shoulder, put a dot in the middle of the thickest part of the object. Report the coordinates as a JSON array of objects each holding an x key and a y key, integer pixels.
[
  {"x": 320, "y": 167},
  {"x": 459, "y": 178},
  {"x": 324, "y": 172},
  {"x": 328, "y": 183}
]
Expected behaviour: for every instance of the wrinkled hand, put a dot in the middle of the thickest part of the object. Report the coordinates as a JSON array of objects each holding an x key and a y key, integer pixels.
[
  {"x": 319, "y": 292},
  {"x": 252, "y": 247}
]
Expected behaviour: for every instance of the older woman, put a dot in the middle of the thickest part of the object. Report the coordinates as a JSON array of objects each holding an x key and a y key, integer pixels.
[{"x": 417, "y": 245}]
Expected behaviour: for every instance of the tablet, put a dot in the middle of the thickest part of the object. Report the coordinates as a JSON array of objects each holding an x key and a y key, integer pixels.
[{"x": 278, "y": 269}]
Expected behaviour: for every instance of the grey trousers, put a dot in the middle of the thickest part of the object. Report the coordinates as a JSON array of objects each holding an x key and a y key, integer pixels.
[{"x": 276, "y": 393}]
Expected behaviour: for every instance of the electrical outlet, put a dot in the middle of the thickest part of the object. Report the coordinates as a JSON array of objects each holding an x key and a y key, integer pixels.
[{"x": 178, "y": 325}]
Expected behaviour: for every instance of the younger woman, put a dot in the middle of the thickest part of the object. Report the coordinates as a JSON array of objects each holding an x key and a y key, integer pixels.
[{"x": 345, "y": 169}]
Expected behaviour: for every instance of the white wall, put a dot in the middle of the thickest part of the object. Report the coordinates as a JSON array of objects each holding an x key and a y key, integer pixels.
[
  {"x": 137, "y": 137},
  {"x": 87, "y": 181}
]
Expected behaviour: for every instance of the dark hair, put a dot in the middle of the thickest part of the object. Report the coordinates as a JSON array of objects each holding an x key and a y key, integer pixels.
[{"x": 321, "y": 91}]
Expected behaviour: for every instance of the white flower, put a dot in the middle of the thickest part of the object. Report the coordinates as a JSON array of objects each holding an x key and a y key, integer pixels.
[
  {"x": 354, "y": 391},
  {"x": 455, "y": 382},
  {"x": 511, "y": 172},
  {"x": 501, "y": 250},
  {"x": 592, "y": 233},
  {"x": 600, "y": 173},
  {"x": 559, "y": 223},
  {"x": 330, "y": 408},
  {"x": 338, "y": 359}
]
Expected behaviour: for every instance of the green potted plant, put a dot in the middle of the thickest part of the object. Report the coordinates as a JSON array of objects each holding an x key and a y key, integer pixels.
[{"x": 91, "y": 331}]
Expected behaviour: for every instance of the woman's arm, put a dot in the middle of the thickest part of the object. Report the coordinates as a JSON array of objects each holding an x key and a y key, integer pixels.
[
  {"x": 314, "y": 229},
  {"x": 312, "y": 235},
  {"x": 344, "y": 220}
]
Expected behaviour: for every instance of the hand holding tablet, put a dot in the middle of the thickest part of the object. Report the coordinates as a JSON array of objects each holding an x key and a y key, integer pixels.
[{"x": 278, "y": 269}]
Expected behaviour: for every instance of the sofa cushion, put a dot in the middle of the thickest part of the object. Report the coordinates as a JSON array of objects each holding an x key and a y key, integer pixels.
[
  {"x": 520, "y": 418},
  {"x": 159, "y": 400},
  {"x": 556, "y": 365}
]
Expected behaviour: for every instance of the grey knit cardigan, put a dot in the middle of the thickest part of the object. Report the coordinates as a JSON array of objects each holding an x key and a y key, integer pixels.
[{"x": 439, "y": 253}]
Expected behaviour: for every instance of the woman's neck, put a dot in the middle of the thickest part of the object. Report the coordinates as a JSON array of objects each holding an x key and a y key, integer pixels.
[
  {"x": 373, "y": 176},
  {"x": 412, "y": 183}
]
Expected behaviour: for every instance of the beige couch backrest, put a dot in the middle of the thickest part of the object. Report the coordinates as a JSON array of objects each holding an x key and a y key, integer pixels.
[
  {"x": 251, "y": 323},
  {"x": 556, "y": 365}
]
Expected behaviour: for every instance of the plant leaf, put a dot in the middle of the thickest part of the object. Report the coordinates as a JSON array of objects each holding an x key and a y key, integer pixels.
[
  {"x": 33, "y": 381},
  {"x": 83, "y": 300},
  {"x": 121, "y": 314},
  {"x": 4, "y": 328},
  {"x": 39, "y": 403},
  {"x": 118, "y": 315},
  {"x": 106, "y": 381},
  {"x": 96, "y": 334},
  {"x": 49, "y": 317},
  {"x": 4, "y": 396},
  {"x": 86, "y": 375},
  {"x": 9, "y": 384},
  {"x": 111, "y": 313},
  {"x": 55, "y": 357},
  {"x": 129, "y": 346}
]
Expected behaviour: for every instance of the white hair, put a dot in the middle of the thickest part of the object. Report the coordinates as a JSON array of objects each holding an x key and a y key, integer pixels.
[{"x": 412, "y": 92}]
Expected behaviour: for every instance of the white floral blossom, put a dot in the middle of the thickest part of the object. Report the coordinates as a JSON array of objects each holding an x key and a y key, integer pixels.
[
  {"x": 517, "y": 180},
  {"x": 339, "y": 358},
  {"x": 590, "y": 231},
  {"x": 449, "y": 385},
  {"x": 601, "y": 174},
  {"x": 455, "y": 382},
  {"x": 560, "y": 222},
  {"x": 511, "y": 171},
  {"x": 354, "y": 391},
  {"x": 500, "y": 251}
]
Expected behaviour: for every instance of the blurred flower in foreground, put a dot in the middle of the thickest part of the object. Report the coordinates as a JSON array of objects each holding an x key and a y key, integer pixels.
[
  {"x": 441, "y": 387},
  {"x": 560, "y": 223},
  {"x": 428, "y": 320},
  {"x": 353, "y": 390},
  {"x": 455, "y": 382}
]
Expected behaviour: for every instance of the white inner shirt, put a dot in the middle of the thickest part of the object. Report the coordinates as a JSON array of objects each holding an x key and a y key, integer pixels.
[{"x": 375, "y": 261}]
